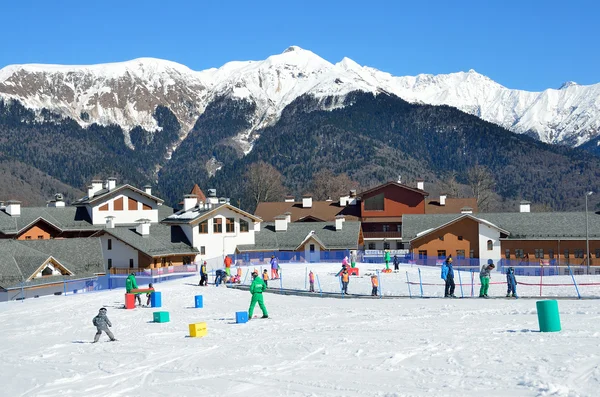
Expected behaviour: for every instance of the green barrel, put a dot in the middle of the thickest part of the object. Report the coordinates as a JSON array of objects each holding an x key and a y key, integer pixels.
[{"x": 548, "y": 317}]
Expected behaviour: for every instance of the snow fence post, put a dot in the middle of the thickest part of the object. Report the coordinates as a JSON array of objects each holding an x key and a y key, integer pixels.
[
  {"x": 319, "y": 282},
  {"x": 379, "y": 286},
  {"x": 246, "y": 276},
  {"x": 420, "y": 282},
  {"x": 574, "y": 283},
  {"x": 341, "y": 287},
  {"x": 541, "y": 278},
  {"x": 472, "y": 283},
  {"x": 281, "y": 282},
  {"x": 65, "y": 287},
  {"x": 22, "y": 293},
  {"x": 460, "y": 283},
  {"x": 305, "y": 276},
  {"x": 408, "y": 283}
]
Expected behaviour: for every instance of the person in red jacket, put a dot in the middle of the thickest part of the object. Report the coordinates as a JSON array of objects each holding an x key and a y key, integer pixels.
[
  {"x": 227, "y": 262},
  {"x": 311, "y": 281}
]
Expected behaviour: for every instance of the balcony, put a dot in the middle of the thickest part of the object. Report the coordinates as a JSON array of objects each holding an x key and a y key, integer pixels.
[{"x": 394, "y": 235}]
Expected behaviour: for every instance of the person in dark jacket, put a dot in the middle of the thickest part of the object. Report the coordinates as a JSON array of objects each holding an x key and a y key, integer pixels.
[
  {"x": 448, "y": 276},
  {"x": 102, "y": 323},
  {"x": 484, "y": 278},
  {"x": 219, "y": 275},
  {"x": 396, "y": 263},
  {"x": 203, "y": 275},
  {"x": 511, "y": 281},
  {"x": 345, "y": 277}
]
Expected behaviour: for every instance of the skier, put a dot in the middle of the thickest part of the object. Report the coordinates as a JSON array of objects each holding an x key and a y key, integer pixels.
[
  {"x": 101, "y": 322},
  {"x": 353, "y": 259},
  {"x": 512, "y": 282},
  {"x": 387, "y": 259},
  {"x": 345, "y": 262},
  {"x": 131, "y": 284},
  {"x": 484, "y": 277},
  {"x": 219, "y": 274},
  {"x": 149, "y": 294},
  {"x": 274, "y": 268},
  {"x": 227, "y": 262},
  {"x": 203, "y": 275},
  {"x": 256, "y": 289},
  {"x": 265, "y": 277},
  {"x": 345, "y": 280},
  {"x": 448, "y": 276},
  {"x": 396, "y": 263},
  {"x": 375, "y": 284},
  {"x": 311, "y": 281}
]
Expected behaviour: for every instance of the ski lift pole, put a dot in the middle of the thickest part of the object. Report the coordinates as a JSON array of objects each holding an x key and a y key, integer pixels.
[
  {"x": 460, "y": 283},
  {"x": 420, "y": 282},
  {"x": 408, "y": 283},
  {"x": 574, "y": 283}
]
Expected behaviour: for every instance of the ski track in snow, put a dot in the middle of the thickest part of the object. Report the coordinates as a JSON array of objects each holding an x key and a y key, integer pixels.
[{"x": 309, "y": 346}]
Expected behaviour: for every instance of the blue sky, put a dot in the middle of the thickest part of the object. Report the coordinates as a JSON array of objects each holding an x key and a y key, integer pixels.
[{"x": 523, "y": 44}]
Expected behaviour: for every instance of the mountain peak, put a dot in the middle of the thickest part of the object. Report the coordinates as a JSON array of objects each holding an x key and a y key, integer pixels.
[
  {"x": 567, "y": 84},
  {"x": 292, "y": 48}
]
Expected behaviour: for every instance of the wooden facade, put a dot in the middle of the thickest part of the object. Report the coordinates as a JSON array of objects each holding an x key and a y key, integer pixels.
[{"x": 459, "y": 239}]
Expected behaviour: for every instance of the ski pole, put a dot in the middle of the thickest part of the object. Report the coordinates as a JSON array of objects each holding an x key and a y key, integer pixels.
[
  {"x": 408, "y": 283},
  {"x": 574, "y": 283},
  {"x": 320, "y": 290},
  {"x": 421, "y": 283}
]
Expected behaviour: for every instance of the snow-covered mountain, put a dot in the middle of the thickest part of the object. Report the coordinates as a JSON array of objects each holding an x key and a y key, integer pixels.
[{"x": 127, "y": 93}]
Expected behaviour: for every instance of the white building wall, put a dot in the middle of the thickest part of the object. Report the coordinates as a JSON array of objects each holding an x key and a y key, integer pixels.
[
  {"x": 127, "y": 215},
  {"x": 487, "y": 233},
  {"x": 120, "y": 253},
  {"x": 314, "y": 256}
]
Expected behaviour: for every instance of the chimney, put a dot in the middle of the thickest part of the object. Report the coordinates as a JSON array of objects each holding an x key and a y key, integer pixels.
[
  {"x": 339, "y": 220},
  {"x": 281, "y": 223},
  {"x": 143, "y": 227},
  {"x": 443, "y": 198},
  {"x": 288, "y": 216},
  {"x": 329, "y": 200},
  {"x": 222, "y": 200},
  {"x": 307, "y": 201},
  {"x": 525, "y": 206},
  {"x": 351, "y": 198},
  {"x": 111, "y": 183},
  {"x": 148, "y": 189},
  {"x": 466, "y": 210},
  {"x": 344, "y": 201},
  {"x": 13, "y": 208},
  {"x": 110, "y": 222},
  {"x": 189, "y": 201},
  {"x": 57, "y": 202},
  {"x": 2, "y": 205},
  {"x": 289, "y": 198},
  {"x": 420, "y": 184},
  {"x": 212, "y": 197}
]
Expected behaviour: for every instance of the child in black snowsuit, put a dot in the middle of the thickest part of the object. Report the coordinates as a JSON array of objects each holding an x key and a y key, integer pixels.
[
  {"x": 102, "y": 323},
  {"x": 512, "y": 282},
  {"x": 149, "y": 295},
  {"x": 396, "y": 263}
]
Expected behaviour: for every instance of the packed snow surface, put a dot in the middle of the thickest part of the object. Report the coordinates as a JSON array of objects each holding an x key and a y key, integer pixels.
[{"x": 309, "y": 346}]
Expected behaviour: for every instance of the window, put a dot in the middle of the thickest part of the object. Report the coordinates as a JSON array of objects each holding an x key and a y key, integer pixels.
[
  {"x": 578, "y": 253},
  {"x": 118, "y": 204},
  {"x": 472, "y": 254},
  {"x": 47, "y": 271},
  {"x": 146, "y": 207},
  {"x": 398, "y": 245},
  {"x": 110, "y": 263},
  {"x": 460, "y": 238},
  {"x": 507, "y": 254},
  {"x": 490, "y": 245},
  {"x": 374, "y": 203},
  {"x": 422, "y": 254},
  {"x": 312, "y": 248},
  {"x": 104, "y": 207},
  {"x": 597, "y": 253},
  {"x": 460, "y": 254},
  {"x": 203, "y": 227},
  {"x": 109, "y": 244},
  {"x": 218, "y": 225},
  {"x": 40, "y": 237},
  {"x": 244, "y": 226},
  {"x": 386, "y": 245},
  {"x": 132, "y": 204},
  {"x": 186, "y": 260},
  {"x": 551, "y": 254},
  {"x": 371, "y": 246},
  {"x": 441, "y": 254},
  {"x": 539, "y": 253},
  {"x": 229, "y": 225},
  {"x": 27, "y": 237},
  {"x": 399, "y": 228},
  {"x": 202, "y": 250},
  {"x": 567, "y": 254},
  {"x": 386, "y": 228},
  {"x": 519, "y": 253},
  {"x": 131, "y": 263}
]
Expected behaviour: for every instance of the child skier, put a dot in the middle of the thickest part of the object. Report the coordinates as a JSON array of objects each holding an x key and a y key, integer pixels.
[
  {"x": 256, "y": 289},
  {"x": 265, "y": 277},
  {"x": 131, "y": 283},
  {"x": 484, "y": 277},
  {"x": 311, "y": 281},
  {"x": 387, "y": 259},
  {"x": 375, "y": 284},
  {"x": 396, "y": 263},
  {"x": 203, "y": 275},
  {"x": 345, "y": 280},
  {"x": 512, "y": 282},
  {"x": 353, "y": 259},
  {"x": 149, "y": 294},
  {"x": 274, "y": 268},
  {"x": 101, "y": 322},
  {"x": 448, "y": 276}
]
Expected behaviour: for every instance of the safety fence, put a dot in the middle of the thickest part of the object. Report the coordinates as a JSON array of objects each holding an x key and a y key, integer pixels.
[{"x": 258, "y": 258}]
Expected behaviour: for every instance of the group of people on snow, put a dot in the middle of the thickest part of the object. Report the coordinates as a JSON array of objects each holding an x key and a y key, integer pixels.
[{"x": 484, "y": 277}]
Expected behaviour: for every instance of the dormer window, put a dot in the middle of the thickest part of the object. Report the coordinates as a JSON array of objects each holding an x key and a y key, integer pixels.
[{"x": 244, "y": 226}]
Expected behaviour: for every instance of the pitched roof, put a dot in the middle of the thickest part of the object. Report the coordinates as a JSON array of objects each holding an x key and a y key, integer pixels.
[
  {"x": 324, "y": 210},
  {"x": 198, "y": 192},
  {"x": 20, "y": 259},
  {"x": 198, "y": 214},
  {"x": 270, "y": 240},
  {"x": 520, "y": 225},
  {"x": 63, "y": 218},
  {"x": 453, "y": 205},
  {"x": 105, "y": 193},
  {"x": 163, "y": 240},
  {"x": 400, "y": 185}
]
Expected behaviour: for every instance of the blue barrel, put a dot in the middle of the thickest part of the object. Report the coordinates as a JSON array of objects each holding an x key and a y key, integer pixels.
[
  {"x": 155, "y": 299},
  {"x": 548, "y": 317},
  {"x": 199, "y": 304}
]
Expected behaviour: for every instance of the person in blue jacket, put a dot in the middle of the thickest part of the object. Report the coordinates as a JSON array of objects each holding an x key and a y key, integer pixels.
[
  {"x": 512, "y": 282},
  {"x": 448, "y": 276}
]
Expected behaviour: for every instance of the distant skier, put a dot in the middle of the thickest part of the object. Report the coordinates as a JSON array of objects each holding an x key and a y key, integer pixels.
[
  {"x": 374, "y": 284},
  {"x": 227, "y": 261},
  {"x": 274, "y": 268},
  {"x": 512, "y": 282},
  {"x": 353, "y": 259},
  {"x": 256, "y": 289},
  {"x": 203, "y": 275},
  {"x": 265, "y": 277},
  {"x": 311, "y": 281},
  {"x": 387, "y": 259},
  {"x": 345, "y": 280},
  {"x": 448, "y": 276},
  {"x": 149, "y": 295},
  {"x": 101, "y": 322},
  {"x": 484, "y": 277},
  {"x": 396, "y": 263},
  {"x": 131, "y": 284},
  {"x": 345, "y": 262}
]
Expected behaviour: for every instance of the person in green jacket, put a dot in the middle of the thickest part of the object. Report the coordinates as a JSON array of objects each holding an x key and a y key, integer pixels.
[
  {"x": 256, "y": 289},
  {"x": 387, "y": 259},
  {"x": 130, "y": 284}
]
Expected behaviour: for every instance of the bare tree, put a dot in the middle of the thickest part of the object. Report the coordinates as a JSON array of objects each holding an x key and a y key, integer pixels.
[
  {"x": 452, "y": 185},
  {"x": 264, "y": 183},
  {"x": 326, "y": 184},
  {"x": 482, "y": 185}
]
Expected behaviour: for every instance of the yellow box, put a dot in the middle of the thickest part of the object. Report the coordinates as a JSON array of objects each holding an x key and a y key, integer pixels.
[{"x": 198, "y": 330}]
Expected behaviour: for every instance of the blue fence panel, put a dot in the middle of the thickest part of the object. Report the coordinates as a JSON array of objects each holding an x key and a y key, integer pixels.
[{"x": 262, "y": 258}]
